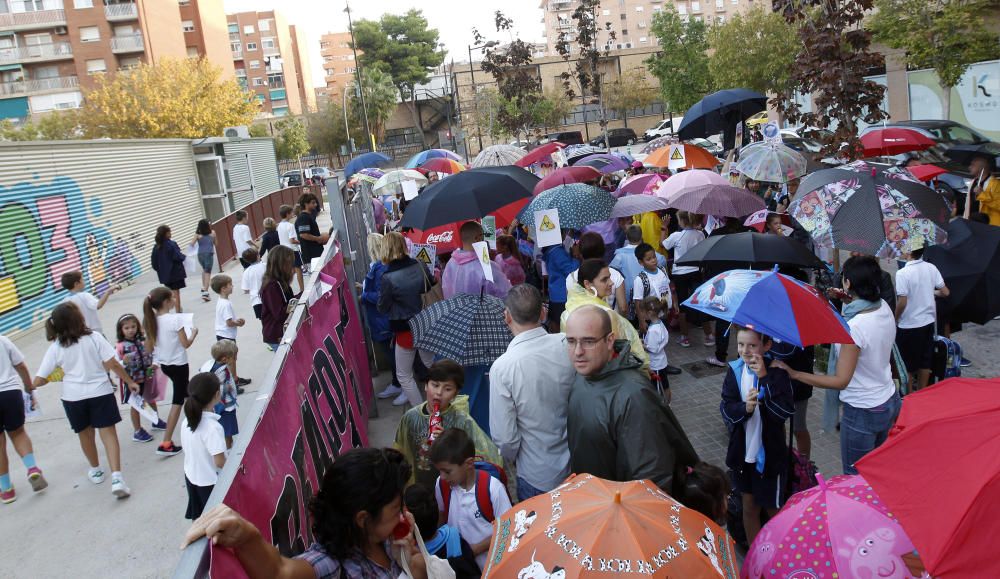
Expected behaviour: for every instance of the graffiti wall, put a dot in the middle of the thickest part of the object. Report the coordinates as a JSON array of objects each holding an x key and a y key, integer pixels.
[{"x": 66, "y": 207}]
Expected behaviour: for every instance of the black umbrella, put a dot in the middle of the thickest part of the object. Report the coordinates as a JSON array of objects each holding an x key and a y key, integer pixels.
[
  {"x": 741, "y": 249},
  {"x": 471, "y": 194},
  {"x": 964, "y": 154},
  {"x": 970, "y": 265},
  {"x": 719, "y": 112}
]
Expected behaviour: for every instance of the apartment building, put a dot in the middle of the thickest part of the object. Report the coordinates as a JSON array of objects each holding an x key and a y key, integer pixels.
[
  {"x": 339, "y": 66},
  {"x": 265, "y": 61},
  {"x": 631, "y": 20},
  {"x": 303, "y": 68},
  {"x": 204, "y": 25}
]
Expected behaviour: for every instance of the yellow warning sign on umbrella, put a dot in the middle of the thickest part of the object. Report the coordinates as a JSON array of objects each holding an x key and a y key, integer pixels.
[{"x": 678, "y": 159}]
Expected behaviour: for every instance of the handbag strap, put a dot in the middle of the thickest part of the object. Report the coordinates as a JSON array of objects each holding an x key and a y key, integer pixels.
[{"x": 428, "y": 285}]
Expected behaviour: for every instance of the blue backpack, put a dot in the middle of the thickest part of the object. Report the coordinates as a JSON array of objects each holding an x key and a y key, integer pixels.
[{"x": 947, "y": 358}]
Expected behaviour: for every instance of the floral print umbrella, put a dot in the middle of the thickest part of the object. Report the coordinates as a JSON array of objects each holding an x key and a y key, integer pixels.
[
  {"x": 579, "y": 205},
  {"x": 771, "y": 162},
  {"x": 871, "y": 210}
]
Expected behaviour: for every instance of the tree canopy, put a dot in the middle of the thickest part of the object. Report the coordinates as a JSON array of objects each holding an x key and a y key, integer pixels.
[
  {"x": 402, "y": 45},
  {"x": 326, "y": 132},
  {"x": 753, "y": 50},
  {"x": 631, "y": 91},
  {"x": 518, "y": 86},
  {"x": 682, "y": 63},
  {"x": 291, "y": 141},
  {"x": 381, "y": 97}
]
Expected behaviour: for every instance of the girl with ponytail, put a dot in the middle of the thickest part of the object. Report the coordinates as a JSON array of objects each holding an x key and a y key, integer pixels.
[
  {"x": 165, "y": 333},
  {"x": 204, "y": 441}
]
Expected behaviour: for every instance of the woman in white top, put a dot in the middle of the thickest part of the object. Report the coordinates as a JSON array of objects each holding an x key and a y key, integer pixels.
[
  {"x": 88, "y": 396},
  {"x": 687, "y": 278},
  {"x": 863, "y": 374},
  {"x": 592, "y": 246}
]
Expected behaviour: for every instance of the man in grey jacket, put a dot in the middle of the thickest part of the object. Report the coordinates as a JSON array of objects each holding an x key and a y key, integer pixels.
[{"x": 619, "y": 428}]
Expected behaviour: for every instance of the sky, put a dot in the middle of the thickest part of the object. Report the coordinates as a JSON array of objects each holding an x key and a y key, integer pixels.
[{"x": 454, "y": 23}]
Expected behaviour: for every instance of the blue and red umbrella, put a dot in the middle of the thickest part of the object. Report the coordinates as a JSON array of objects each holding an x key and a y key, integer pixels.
[{"x": 772, "y": 304}]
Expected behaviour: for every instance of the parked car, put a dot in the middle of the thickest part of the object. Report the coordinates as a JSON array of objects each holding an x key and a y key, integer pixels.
[
  {"x": 320, "y": 173},
  {"x": 565, "y": 137},
  {"x": 664, "y": 128},
  {"x": 707, "y": 144},
  {"x": 291, "y": 178},
  {"x": 616, "y": 138},
  {"x": 945, "y": 133}
]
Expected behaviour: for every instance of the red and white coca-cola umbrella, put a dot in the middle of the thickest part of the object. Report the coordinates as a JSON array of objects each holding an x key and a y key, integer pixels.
[{"x": 446, "y": 237}]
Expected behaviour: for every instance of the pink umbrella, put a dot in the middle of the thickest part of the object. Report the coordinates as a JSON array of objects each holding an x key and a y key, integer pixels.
[
  {"x": 692, "y": 178},
  {"x": 837, "y": 529},
  {"x": 642, "y": 184}
]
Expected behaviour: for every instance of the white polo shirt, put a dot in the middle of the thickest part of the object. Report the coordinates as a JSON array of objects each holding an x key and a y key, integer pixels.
[
  {"x": 200, "y": 448},
  {"x": 88, "y": 307},
  {"x": 10, "y": 357},
  {"x": 916, "y": 281},
  {"x": 252, "y": 281},
  {"x": 463, "y": 513},
  {"x": 242, "y": 238},
  {"x": 169, "y": 349},
  {"x": 83, "y": 365},
  {"x": 286, "y": 233},
  {"x": 224, "y": 312}
]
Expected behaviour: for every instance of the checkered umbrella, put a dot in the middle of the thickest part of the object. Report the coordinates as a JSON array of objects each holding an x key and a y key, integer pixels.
[{"x": 466, "y": 328}]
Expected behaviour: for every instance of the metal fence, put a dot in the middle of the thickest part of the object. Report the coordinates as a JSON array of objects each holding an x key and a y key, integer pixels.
[{"x": 266, "y": 206}]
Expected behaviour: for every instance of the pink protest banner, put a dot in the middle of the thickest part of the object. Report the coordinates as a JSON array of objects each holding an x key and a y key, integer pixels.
[{"x": 318, "y": 410}]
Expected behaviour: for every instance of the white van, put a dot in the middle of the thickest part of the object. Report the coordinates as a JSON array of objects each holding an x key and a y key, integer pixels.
[{"x": 663, "y": 128}]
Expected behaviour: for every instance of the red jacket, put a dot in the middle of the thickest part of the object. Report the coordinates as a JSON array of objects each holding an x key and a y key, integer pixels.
[{"x": 274, "y": 310}]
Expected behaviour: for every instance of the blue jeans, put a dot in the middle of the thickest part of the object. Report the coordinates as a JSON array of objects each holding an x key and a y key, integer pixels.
[
  {"x": 525, "y": 491},
  {"x": 862, "y": 430}
]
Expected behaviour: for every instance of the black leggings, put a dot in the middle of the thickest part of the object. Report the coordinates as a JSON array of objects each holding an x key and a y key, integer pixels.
[{"x": 179, "y": 375}]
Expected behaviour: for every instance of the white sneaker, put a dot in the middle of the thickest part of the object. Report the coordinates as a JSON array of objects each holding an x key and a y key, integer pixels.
[
  {"x": 400, "y": 400},
  {"x": 391, "y": 391},
  {"x": 119, "y": 489},
  {"x": 96, "y": 475}
]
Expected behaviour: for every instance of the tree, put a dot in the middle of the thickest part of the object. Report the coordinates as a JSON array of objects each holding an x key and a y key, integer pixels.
[
  {"x": 518, "y": 84},
  {"x": 173, "y": 99},
  {"x": 54, "y": 126},
  {"x": 586, "y": 72},
  {"x": 946, "y": 35},
  {"x": 405, "y": 48},
  {"x": 552, "y": 108},
  {"x": 292, "y": 141},
  {"x": 681, "y": 66},
  {"x": 753, "y": 50},
  {"x": 326, "y": 132},
  {"x": 831, "y": 66},
  {"x": 259, "y": 130},
  {"x": 629, "y": 92},
  {"x": 381, "y": 97}
]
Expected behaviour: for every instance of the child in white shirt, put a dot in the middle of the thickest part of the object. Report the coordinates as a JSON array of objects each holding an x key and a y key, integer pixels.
[
  {"x": 655, "y": 342},
  {"x": 253, "y": 280},
  {"x": 72, "y": 281},
  {"x": 226, "y": 322},
  {"x": 651, "y": 281},
  {"x": 203, "y": 441}
]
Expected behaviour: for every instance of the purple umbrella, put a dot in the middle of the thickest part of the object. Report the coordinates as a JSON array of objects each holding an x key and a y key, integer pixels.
[
  {"x": 642, "y": 184},
  {"x": 603, "y": 162},
  {"x": 692, "y": 178},
  {"x": 719, "y": 200},
  {"x": 636, "y": 204}
]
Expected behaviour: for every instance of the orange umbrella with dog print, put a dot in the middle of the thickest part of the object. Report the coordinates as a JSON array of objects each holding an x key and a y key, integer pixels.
[{"x": 589, "y": 527}]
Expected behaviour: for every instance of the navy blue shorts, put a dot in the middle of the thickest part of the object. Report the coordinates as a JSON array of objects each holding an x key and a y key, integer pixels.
[
  {"x": 228, "y": 421},
  {"x": 11, "y": 410},
  {"x": 766, "y": 490},
  {"x": 97, "y": 412}
]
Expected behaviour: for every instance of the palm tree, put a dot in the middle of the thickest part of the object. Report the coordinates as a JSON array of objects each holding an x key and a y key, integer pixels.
[{"x": 381, "y": 98}]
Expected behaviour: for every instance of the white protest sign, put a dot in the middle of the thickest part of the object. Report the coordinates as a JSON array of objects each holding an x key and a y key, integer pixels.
[
  {"x": 425, "y": 253},
  {"x": 187, "y": 322},
  {"x": 31, "y": 407},
  {"x": 409, "y": 189},
  {"x": 547, "y": 231},
  {"x": 677, "y": 158},
  {"x": 482, "y": 251},
  {"x": 772, "y": 135}
]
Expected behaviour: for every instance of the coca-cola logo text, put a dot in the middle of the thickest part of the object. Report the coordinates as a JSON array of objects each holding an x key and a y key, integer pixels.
[{"x": 444, "y": 237}]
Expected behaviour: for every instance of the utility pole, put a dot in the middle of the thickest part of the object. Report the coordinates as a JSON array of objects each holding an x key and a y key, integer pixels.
[
  {"x": 360, "y": 78},
  {"x": 475, "y": 92}
]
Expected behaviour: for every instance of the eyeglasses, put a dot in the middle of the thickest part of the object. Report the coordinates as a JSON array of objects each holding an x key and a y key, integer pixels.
[{"x": 585, "y": 343}]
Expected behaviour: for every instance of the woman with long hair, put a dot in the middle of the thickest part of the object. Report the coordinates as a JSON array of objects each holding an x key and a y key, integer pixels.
[
  {"x": 205, "y": 240},
  {"x": 276, "y": 294},
  {"x": 378, "y": 324},
  {"x": 168, "y": 262}
]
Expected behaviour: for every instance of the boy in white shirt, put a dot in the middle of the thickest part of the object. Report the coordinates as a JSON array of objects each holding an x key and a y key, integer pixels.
[
  {"x": 651, "y": 281},
  {"x": 72, "y": 281},
  {"x": 242, "y": 237},
  {"x": 253, "y": 280},
  {"x": 226, "y": 322},
  {"x": 917, "y": 284},
  {"x": 461, "y": 506},
  {"x": 288, "y": 237}
]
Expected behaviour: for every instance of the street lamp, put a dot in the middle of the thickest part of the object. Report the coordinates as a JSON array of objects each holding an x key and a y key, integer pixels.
[
  {"x": 357, "y": 69},
  {"x": 472, "y": 72}
]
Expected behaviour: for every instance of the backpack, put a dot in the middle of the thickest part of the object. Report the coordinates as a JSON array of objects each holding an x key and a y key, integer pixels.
[
  {"x": 647, "y": 290},
  {"x": 801, "y": 472},
  {"x": 946, "y": 361},
  {"x": 485, "y": 470}
]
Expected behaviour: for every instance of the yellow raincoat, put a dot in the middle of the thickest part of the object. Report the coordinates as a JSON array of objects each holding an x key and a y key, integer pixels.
[
  {"x": 412, "y": 434},
  {"x": 622, "y": 329},
  {"x": 989, "y": 200}
]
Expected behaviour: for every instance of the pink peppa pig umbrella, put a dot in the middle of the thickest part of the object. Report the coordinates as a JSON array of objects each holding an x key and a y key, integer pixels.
[{"x": 839, "y": 529}]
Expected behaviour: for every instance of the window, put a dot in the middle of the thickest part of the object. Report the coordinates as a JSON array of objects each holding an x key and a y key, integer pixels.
[
  {"x": 624, "y": 16},
  {"x": 266, "y": 43},
  {"x": 236, "y": 47},
  {"x": 258, "y": 82},
  {"x": 96, "y": 65},
  {"x": 638, "y": 8},
  {"x": 251, "y": 46},
  {"x": 184, "y": 2},
  {"x": 642, "y": 24},
  {"x": 78, "y": 4},
  {"x": 605, "y": 12},
  {"x": 40, "y": 72},
  {"x": 187, "y": 26},
  {"x": 48, "y": 102},
  {"x": 276, "y": 81},
  {"x": 324, "y": 45},
  {"x": 234, "y": 28},
  {"x": 734, "y": 2},
  {"x": 89, "y": 34},
  {"x": 697, "y": 18},
  {"x": 35, "y": 39},
  {"x": 125, "y": 30},
  {"x": 642, "y": 39},
  {"x": 682, "y": 9},
  {"x": 254, "y": 64},
  {"x": 720, "y": 19},
  {"x": 129, "y": 62},
  {"x": 263, "y": 25},
  {"x": 696, "y": 7},
  {"x": 720, "y": 4},
  {"x": 192, "y": 52},
  {"x": 248, "y": 29},
  {"x": 657, "y": 8},
  {"x": 624, "y": 32}
]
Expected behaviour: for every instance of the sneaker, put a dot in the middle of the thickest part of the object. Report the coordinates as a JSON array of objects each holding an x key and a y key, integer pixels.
[
  {"x": 119, "y": 489},
  {"x": 685, "y": 343},
  {"x": 390, "y": 391},
  {"x": 168, "y": 448},
  {"x": 713, "y": 361},
  {"x": 240, "y": 390},
  {"x": 96, "y": 475},
  {"x": 8, "y": 496},
  {"x": 142, "y": 436},
  {"x": 243, "y": 381},
  {"x": 36, "y": 479},
  {"x": 709, "y": 341},
  {"x": 965, "y": 363},
  {"x": 400, "y": 400},
  {"x": 160, "y": 425},
  {"x": 672, "y": 370}
]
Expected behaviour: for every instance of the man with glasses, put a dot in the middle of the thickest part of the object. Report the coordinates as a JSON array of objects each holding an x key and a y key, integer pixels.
[{"x": 619, "y": 428}]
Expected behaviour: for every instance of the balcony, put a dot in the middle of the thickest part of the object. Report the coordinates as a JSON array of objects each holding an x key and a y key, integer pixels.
[
  {"x": 273, "y": 51},
  {"x": 12, "y": 21},
  {"x": 121, "y": 12},
  {"x": 36, "y": 53},
  {"x": 238, "y": 54},
  {"x": 27, "y": 87},
  {"x": 560, "y": 4},
  {"x": 123, "y": 44}
]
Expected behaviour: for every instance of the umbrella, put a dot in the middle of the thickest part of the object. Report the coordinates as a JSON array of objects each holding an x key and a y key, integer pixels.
[
  {"x": 718, "y": 200},
  {"x": 636, "y": 204},
  {"x": 839, "y": 528},
  {"x": 442, "y": 165},
  {"x": 422, "y": 157},
  {"x": 590, "y": 527},
  {"x": 604, "y": 162},
  {"x": 970, "y": 265},
  {"x": 466, "y": 328},
  {"x": 565, "y": 176},
  {"x": 926, "y": 172},
  {"x": 955, "y": 427},
  {"x": 574, "y": 153},
  {"x": 367, "y": 175},
  {"x": 538, "y": 154},
  {"x": 470, "y": 194},
  {"x": 446, "y": 237},
  {"x": 695, "y": 157},
  {"x": 875, "y": 211},
  {"x": 363, "y": 161},
  {"x": 771, "y": 162},
  {"x": 578, "y": 204},
  {"x": 693, "y": 178},
  {"x": 773, "y": 304},
  {"x": 759, "y": 219},
  {"x": 391, "y": 182},
  {"x": 894, "y": 141},
  {"x": 657, "y": 143},
  {"x": 747, "y": 248},
  {"x": 641, "y": 184},
  {"x": 498, "y": 156},
  {"x": 719, "y": 112},
  {"x": 964, "y": 154}
]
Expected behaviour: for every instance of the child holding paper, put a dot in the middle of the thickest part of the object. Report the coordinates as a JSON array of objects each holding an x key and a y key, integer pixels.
[{"x": 137, "y": 360}]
